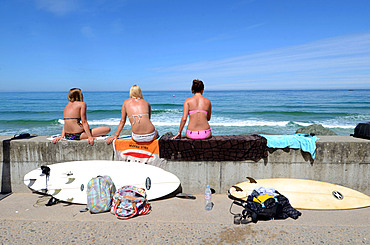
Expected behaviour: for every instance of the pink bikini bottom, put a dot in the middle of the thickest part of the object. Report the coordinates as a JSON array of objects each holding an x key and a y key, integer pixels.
[{"x": 198, "y": 135}]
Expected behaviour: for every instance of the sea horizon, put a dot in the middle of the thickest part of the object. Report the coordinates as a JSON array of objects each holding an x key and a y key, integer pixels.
[
  {"x": 234, "y": 112},
  {"x": 183, "y": 90}
]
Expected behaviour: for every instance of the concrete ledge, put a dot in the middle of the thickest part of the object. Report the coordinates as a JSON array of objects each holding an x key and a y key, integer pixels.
[{"x": 342, "y": 160}]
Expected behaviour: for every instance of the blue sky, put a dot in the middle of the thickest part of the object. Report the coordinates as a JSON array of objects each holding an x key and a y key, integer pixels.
[{"x": 49, "y": 45}]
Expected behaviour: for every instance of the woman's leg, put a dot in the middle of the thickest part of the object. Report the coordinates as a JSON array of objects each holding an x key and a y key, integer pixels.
[{"x": 96, "y": 132}]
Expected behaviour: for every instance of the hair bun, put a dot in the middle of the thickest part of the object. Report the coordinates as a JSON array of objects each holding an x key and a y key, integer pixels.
[{"x": 198, "y": 86}]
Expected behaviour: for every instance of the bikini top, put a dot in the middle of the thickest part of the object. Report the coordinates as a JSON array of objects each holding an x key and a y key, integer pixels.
[
  {"x": 67, "y": 118},
  {"x": 194, "y": 111},
  {"x": 138, "y": 116},
  {"x": 78, "y": 120}
]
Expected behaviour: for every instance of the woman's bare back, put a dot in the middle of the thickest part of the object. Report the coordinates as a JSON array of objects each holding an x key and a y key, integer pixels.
[
  {"x": 72, "y": 117},
  {"x": 139, "y": 113},
  {"x": 199, "y": 119}
]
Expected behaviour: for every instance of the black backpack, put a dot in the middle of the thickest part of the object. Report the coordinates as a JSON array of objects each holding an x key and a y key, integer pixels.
[
  {"x": 362, "y": 130},
  {"x": 268, "y": 209}
]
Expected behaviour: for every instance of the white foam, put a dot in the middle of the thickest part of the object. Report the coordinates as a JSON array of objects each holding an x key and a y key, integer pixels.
[
  {"x": 173, "y": 123},
  {"x": 226, "y": 123},
  {"x": 110, "y": 122},
  {"x": 250, "y": 123},
  {"x": 338, "y": 126},
  {"x": 174, "y": 120},
  {"x": 327, "y": 124},
  {"x": 302, "y": 124}
]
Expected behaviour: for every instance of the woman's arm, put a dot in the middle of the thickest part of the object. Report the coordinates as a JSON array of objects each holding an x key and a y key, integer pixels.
[
  {"x": 209, "y": 112},
  {"x": 85, "y": 124},
  {"x": 150, "y": 111},
  {"x": 183, "y": 120},
  {"x": 55, "y": 140},
  {"x": 121, "y": 124}
]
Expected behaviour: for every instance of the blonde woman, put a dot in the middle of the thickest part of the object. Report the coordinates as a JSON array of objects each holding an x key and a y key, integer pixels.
[
  {"x": 138, "y": 112},
  {"x": 75, "y": 121}
]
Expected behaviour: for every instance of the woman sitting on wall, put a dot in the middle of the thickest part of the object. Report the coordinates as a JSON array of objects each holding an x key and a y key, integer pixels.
[
  {"x": 199, "y": 110},
  {"x": 138, "y": 112},
  {"x": 75, "y": 121}
]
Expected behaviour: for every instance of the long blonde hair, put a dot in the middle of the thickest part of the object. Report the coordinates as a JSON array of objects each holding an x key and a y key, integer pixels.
[{"x": 135, "y": 92}]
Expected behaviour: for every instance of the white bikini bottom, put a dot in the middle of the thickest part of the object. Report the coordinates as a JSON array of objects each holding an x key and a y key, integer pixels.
[{"x": 144, "y": 137}]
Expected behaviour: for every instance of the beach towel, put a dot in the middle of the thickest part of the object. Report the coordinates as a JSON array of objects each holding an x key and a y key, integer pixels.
[
  {"x": 305, "y": 142},
  {"x": 217, "y": 148},
  {"x": 131, "y": 151},
  {"x": 104, "y": 137}
]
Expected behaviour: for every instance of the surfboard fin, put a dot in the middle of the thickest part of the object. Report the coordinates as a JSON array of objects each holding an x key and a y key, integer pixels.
[
  {"x": 56, "y": 192},
  {"x": 237, "y": 188},
  {"x": 32, "y": 181},
  {"x": 70, "y": 180},
  {"x": 252, "y": 180}
]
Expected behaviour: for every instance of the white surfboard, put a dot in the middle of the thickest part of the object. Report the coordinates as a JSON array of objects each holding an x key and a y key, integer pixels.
[
  {"x": 306, "y": 194},
  {"x": 68, "y": 181}
]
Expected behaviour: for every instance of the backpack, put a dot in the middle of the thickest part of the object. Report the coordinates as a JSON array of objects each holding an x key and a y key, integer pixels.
[
  {"x": 264, "y": 205},
  {"x": 99, "y": 194},
  {"x": 130, "y": 201},
  {"x": 362, "y": 130}
]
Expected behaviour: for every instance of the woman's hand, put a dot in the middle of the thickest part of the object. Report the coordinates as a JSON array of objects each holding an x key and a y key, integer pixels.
[
  {"x": 111, "y": 139},
  {"x": 55, "y": 140},
  {"x": 91, "y": 140},
  {"x": 177, "y": 135}
]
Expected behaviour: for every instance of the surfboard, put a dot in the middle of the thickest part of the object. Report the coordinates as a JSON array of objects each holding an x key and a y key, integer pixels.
[
  {"x": 306, "y": 194},
  {"x": 68, "y": 181}
]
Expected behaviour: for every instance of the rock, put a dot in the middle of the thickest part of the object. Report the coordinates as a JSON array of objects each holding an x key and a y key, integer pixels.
[
  {"x": 170, "y": 134},
  {"x": 316, "y": 129}
]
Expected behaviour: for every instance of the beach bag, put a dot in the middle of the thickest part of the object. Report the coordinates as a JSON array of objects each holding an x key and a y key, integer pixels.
[
  {"x": 362, "y": 130},
  {"x": 130, "y": 201},
  {"x": 100, "y": 191},
  {"x": 269, "y": 207},
  {"x": 263, "y": 204},
  {"x": 263, "y": 207}
]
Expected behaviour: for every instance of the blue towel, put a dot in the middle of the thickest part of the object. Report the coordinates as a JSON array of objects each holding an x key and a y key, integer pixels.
[{"x": 297, "y": 141}]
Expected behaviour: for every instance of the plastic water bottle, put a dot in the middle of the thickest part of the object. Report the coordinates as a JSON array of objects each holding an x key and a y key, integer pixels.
[{"x": 208, "y": 198}]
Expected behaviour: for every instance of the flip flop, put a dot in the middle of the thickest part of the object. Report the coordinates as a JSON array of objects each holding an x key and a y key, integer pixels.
[
  {"x": 21, "y": 136},
  {"x": 187, "y": 196}
]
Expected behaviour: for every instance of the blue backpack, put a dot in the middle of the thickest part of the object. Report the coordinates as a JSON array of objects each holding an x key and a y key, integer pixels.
[{"x": 100, "y": 191}]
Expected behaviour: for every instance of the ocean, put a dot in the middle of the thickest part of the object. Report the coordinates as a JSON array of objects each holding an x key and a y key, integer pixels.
[{"x": 233, "y": 112}]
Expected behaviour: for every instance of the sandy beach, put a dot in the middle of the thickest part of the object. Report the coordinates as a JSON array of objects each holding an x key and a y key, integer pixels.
[{"x": 26, "y": 220}]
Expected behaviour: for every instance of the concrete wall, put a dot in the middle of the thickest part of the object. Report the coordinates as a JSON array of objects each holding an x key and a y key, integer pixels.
[{"x": 342, "y": 160}]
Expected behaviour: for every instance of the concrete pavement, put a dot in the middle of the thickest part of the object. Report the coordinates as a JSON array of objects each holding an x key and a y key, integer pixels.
[{"x": 24, "y": 219}]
